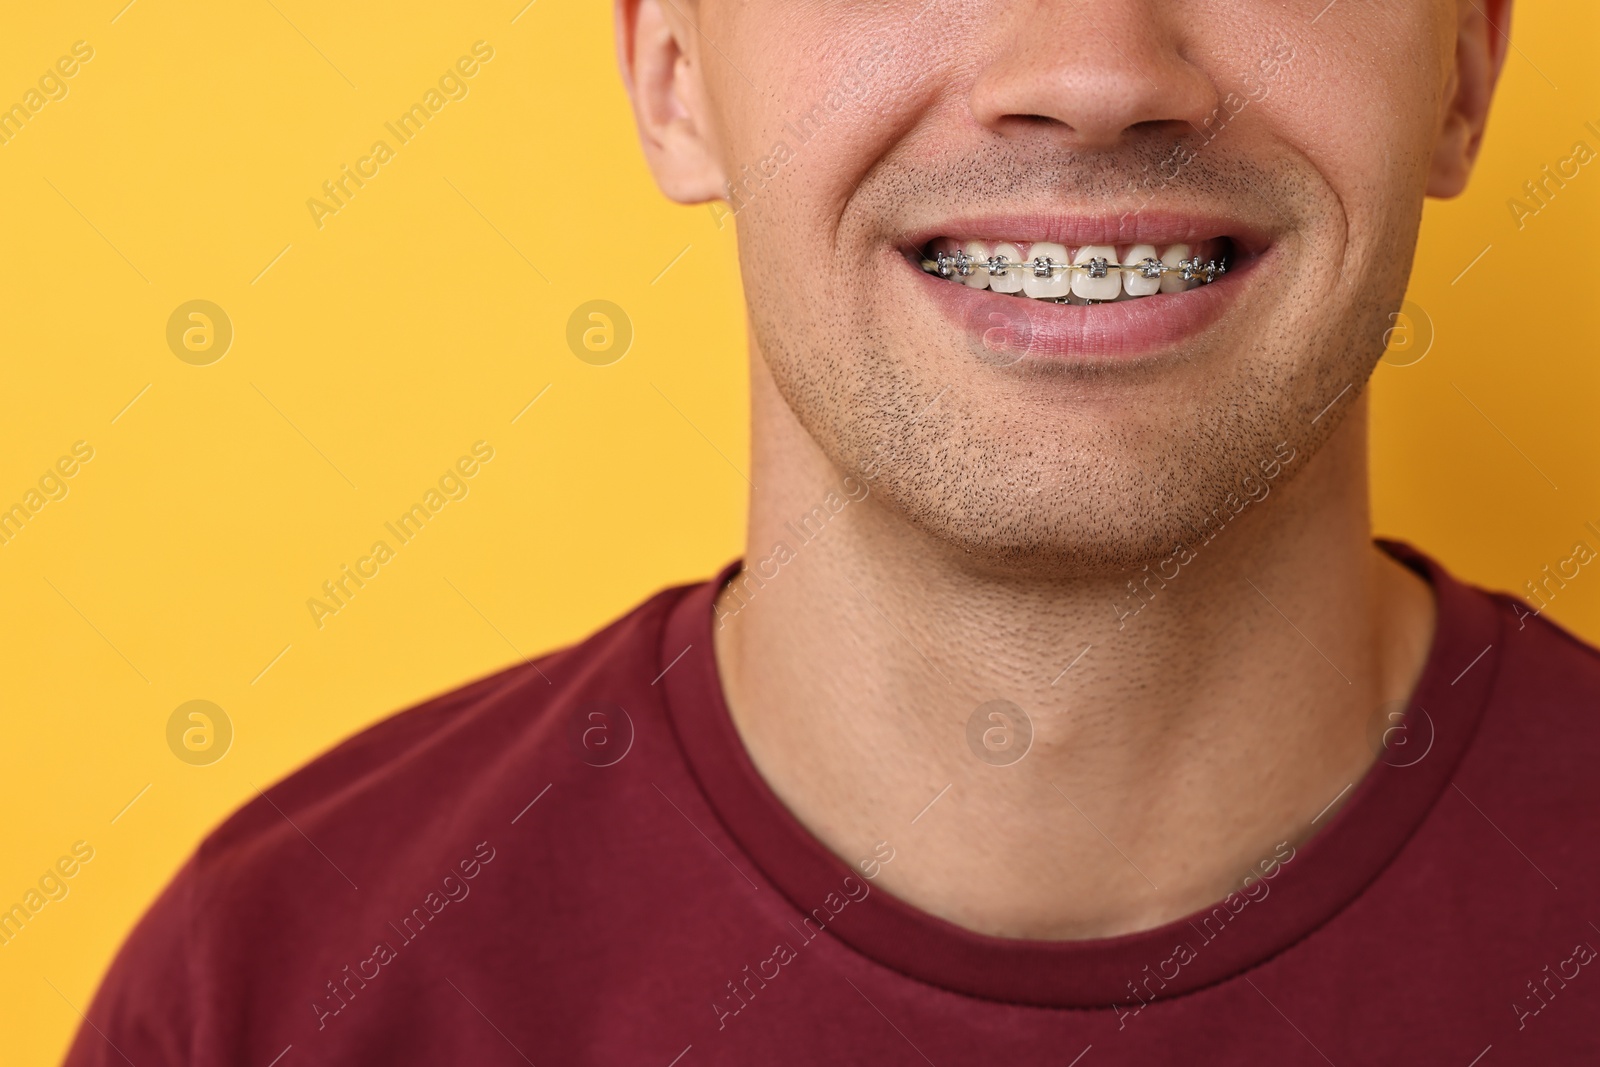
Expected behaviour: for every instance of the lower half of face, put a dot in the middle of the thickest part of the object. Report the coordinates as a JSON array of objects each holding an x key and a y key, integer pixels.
[{"x": 1081, "y": 356}]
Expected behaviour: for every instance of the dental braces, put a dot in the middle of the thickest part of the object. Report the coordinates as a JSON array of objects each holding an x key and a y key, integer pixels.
[{"x": 961, "y": 265}]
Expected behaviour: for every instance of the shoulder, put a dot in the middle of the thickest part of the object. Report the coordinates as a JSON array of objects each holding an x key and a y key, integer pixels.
[
  {"x": 1545, "y": 670},
  {"x": 439, "y": 762},
  {"x": 389, "y": 826},
  {"x": 1543, "y": 677},
  {"x": 1530, "y": 771}
]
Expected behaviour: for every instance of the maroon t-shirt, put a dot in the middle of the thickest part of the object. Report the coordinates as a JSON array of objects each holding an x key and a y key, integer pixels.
[{"x": 575, "y": 862}]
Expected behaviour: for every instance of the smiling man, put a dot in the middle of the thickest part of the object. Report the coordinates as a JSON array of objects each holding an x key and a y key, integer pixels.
[{"x": 1065, "y": 710}]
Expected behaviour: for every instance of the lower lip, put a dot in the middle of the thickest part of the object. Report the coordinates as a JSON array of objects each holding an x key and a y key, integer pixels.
[{"x": 1017, "y": 330}]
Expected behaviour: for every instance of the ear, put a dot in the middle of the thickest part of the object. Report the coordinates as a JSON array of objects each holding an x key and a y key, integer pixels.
[
  {"x": 658, "y": 51},
  {"x": 1482, "y": 37}
]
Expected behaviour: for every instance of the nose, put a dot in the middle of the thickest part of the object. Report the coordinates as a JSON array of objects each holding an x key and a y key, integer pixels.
[{"x": 1091, "y": 73}]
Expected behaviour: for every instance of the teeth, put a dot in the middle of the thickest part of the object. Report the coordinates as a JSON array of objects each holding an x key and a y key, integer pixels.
[
  {"x": 1174, "y": 257},
  {"x": 1098, "y": 282},
  {"x": 1092, "y": 274},
  {"x": 1056, "y": 283},
  {"x": 1133, "y": 280},
  {"x": 978, "y": 254},
  {"x": 1011, "y": 280}
]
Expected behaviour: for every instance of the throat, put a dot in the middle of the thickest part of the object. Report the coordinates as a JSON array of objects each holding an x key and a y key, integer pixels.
[{"x": 1038, "y": 770}]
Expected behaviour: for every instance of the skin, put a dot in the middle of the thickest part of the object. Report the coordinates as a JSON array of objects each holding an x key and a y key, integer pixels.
[{"x": 996, "y": 513}]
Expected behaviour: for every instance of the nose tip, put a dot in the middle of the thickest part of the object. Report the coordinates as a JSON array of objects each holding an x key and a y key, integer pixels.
[{"x": 1088, "y": 73}]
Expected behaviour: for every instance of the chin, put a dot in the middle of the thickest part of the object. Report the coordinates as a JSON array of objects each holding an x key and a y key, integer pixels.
[{"x": 1075, "y": 528}]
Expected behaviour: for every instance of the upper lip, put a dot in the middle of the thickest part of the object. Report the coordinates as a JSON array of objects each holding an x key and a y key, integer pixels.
[{"x": 1078, "y": 229}]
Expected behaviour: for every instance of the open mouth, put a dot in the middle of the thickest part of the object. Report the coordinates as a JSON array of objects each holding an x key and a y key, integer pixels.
[
  {"x": 1089, "y": 288},
  {"x": 1084, "y": 275}
]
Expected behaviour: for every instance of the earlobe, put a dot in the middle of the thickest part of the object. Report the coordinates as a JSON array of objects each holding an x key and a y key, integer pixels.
[
  {"x": 659, "y": 56},
  {"x": 1481, "y": 43}
]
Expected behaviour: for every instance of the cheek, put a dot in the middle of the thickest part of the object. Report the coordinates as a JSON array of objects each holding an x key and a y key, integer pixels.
[
  {"x": 809, "y": 96},
  {"x": 1358, "y": 96}
]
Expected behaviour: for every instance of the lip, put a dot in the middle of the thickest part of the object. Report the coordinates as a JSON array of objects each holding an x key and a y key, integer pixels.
[{"x": 1006, "y": 330}]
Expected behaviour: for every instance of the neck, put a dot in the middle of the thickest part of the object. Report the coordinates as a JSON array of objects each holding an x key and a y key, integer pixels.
[{"x": 1184, "y": 728}]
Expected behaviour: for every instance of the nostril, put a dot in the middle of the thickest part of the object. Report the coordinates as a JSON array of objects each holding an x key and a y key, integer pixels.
[{"x": 1038, "y": 120}]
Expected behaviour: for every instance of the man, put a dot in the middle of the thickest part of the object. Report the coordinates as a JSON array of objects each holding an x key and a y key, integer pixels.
[{"x": 1063, "y": 710}]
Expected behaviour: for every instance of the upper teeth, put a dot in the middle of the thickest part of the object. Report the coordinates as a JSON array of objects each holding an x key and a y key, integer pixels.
[{"x": 1091, "y": 273}]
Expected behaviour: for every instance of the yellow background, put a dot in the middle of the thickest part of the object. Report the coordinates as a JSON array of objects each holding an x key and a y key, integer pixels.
[{"x": 424, "y": 316}]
